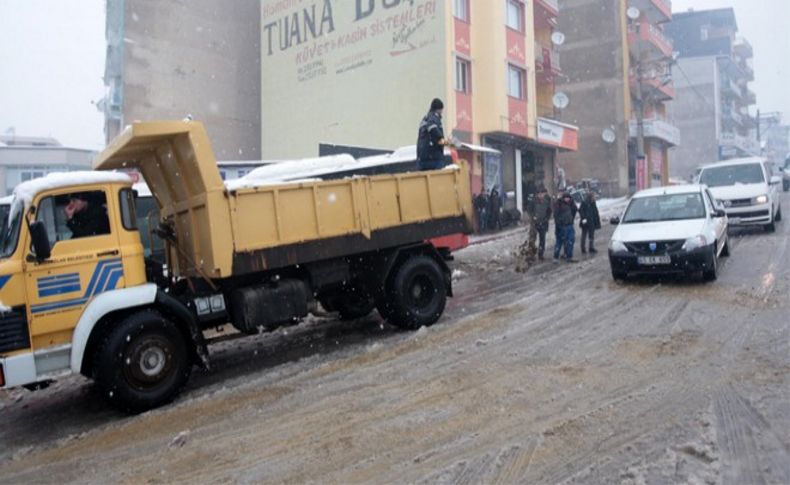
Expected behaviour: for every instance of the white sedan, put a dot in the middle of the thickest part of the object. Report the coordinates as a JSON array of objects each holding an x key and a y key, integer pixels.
[{"x": 679, "y": 229}]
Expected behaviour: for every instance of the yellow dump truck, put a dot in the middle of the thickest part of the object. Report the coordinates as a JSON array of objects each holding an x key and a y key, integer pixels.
[{"x": 78, "y": 296}]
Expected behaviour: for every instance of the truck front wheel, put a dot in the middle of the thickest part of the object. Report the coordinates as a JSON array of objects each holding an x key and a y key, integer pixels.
[
  {"x": 142, "y": 363},
  {"x": 417, "y": 295}
]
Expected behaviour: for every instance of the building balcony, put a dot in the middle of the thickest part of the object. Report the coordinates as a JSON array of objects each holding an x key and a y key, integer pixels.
[
  {"x": 657, "y": 11},
  {"x": 749, "y": 97},
  {"x": 658, "y": 88},
  {"x": 737, "y": 145},
  {"x": 547, "y": 61},
  {"x": 731, "y": 116},
  {"x": 743, "y": 48},
  {"x": 549, "y": 8},
  {"x": 649, "y": 39},
  {"x": 658, "y": 129}
]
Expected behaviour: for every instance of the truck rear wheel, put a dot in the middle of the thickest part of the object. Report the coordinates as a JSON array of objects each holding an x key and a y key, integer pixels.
[
  {"x": 142, "y": 363},
  {"x": 417, "y": 295}
]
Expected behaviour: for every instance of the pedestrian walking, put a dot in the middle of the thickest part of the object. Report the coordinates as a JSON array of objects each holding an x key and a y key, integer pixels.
[
  {"x": 564, "y": 215},
  {"x": 430, "y": 139},
  {"x": 590, "y": 221},
  {"x": 539, "y": 210}
]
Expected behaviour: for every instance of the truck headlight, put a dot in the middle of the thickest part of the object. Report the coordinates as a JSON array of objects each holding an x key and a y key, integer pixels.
[
  {"x": 696, "y": 242},
  {"x": 760, "y": 199},
  {"x": 617, "y": 246}
]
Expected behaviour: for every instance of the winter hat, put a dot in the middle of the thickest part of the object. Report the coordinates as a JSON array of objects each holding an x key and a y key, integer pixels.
[
  {"x": 541, "y": 189},
  {"x": 437, "y": 104}
]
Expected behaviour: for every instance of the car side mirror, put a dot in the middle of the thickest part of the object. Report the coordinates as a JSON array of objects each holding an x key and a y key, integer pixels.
[
  {"x": 776, "y": 180},
  {"x": 614, "y": 221},
  {"x": 719, "y": 213},
  {"x": 40, "y": 239}
]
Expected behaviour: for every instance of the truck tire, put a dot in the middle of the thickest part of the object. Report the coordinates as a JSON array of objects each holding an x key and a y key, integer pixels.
[
  {"x": 349, "y": 303},
  {"x": 142, "y": 363},
  {"x": 417, "y": 294}
]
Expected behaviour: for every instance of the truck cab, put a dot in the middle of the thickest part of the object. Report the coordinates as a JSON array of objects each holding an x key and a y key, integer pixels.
[{"x": 86, "y": 223}]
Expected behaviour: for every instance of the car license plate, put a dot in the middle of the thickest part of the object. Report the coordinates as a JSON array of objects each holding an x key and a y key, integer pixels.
[{"x": 653, "y": 260}]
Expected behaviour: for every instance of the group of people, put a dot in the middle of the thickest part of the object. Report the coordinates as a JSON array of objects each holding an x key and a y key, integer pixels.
[{"x": 540, "y": 209}]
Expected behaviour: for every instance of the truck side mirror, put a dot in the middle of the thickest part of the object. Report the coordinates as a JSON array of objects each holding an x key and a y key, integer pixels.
[{"x": 40, "y": 239}]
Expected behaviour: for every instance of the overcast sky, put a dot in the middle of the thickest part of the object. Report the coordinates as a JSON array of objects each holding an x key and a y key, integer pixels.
[{"x": 52, "y": 63}]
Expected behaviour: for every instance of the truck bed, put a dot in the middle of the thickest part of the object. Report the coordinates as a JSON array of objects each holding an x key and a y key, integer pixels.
[{"x": 232, "y": 232}]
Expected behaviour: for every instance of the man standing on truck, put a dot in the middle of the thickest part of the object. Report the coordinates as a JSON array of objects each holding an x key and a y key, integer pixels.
[
  {"x": 430, "y": 139},
  {"x": 86, "y": 215}
]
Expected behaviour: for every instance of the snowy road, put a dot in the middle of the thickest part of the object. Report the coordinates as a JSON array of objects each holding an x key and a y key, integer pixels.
[{"x": 557, "y": 375}]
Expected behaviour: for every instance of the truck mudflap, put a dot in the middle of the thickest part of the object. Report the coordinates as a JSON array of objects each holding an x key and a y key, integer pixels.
[{"x": 176, "y": 310}]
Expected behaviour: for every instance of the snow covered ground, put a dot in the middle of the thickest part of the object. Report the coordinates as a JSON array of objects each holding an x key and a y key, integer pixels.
[{"x": 559, "y": 375}]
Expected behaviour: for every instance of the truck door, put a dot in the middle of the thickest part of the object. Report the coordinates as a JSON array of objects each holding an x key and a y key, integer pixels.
[{"x": 85, "y": 262}]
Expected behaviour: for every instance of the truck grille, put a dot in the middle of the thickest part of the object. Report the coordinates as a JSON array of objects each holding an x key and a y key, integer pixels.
[
  {"x": 740, "y": 202},
  {"x": 13, "y": 330},
  {"x": 662, "y": 247}
]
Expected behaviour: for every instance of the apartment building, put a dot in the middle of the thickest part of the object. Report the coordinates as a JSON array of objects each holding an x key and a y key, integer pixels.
[
  {"x": 713, "y": 101},
  {"x": 616, "y": 63},
  {"x": 363, "y": 73},
  {"x": 24, "y": 158},
  {"x": 168, "y": 60}
]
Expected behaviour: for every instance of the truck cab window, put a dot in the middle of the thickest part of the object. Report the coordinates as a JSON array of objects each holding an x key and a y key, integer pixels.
[{"x": 73, "y": 216}]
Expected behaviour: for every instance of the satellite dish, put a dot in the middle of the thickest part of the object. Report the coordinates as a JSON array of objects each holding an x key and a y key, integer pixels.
[
  {"x": 558, "y": 38},
  {"x": 560, "y": 100},
  {"x": 608, "y": 135},
  {"x": 633, "y": 13}
]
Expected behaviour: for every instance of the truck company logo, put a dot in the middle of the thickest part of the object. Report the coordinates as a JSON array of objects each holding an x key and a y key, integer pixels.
[{"x": 105, "y": 277}]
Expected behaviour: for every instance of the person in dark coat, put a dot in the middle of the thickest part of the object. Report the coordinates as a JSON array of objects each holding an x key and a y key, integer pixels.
[
  {"x": 481, "y": 208},
  {"x": 590, "y": 221},
  {"x": 539, "y": 210},
  {"x": 430, "y": 139},
  {"x": 494, "y": 209},
  {"x": 564, "y": 215},
  {"x": 86, "y": 216}
]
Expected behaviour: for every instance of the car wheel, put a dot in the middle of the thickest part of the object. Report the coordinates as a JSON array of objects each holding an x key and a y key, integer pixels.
[
  {"x": 713, "y": 273},
  {"x": 725, "y": 251},
  {"x": 417, "y": 295},
  {"x": 770, "y": 227},
  {"x": 142, "y": 363},
  {"x": 778, "y": 216},
  {"x": 619, "y": 275}
]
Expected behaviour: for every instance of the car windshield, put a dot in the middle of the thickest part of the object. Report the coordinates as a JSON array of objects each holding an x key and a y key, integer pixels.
[
  {"x": 675, "y": 207},
  {"x": 751, "y": 173},
  {"x": 9, "y": 235}
]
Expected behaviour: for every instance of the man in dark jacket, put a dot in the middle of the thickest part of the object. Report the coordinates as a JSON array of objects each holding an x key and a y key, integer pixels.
[
  {"x": 86, "y": 216},
  {"x": 430, "y": 139},
  {"x": 539, "y": 210},
  {"x": 590, "y": 221},
  {"x": 564, "y": 215}
]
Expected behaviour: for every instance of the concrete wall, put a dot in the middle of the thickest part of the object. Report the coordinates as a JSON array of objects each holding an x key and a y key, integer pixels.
[
  {"x": 198, "y": 57},
  {"x": 694, "y": 111},
  {"x": 593, "y": 63}
]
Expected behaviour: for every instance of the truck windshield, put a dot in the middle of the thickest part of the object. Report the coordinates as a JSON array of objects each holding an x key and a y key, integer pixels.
[
  {"x": 751, "y": 173},
  {"x": 9, "y": 235},
  {"x": 675, "y": 207}
]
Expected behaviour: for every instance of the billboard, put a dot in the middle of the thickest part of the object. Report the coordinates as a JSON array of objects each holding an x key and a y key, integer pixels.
[{"x": 354, "y": 72}]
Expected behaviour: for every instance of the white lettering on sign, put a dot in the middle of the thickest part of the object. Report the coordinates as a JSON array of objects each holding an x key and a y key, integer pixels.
[{"x": 550, "y": 133}]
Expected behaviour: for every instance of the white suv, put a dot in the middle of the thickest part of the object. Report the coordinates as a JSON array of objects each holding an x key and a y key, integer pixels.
[{"x": 747, "y": 189}]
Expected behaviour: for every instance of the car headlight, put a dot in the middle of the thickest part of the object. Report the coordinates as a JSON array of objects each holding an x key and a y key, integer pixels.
[
  {"x": 696, "y": 242},
  {"x": 760, "y": 199},
  {"x": 617, "y": 246}
]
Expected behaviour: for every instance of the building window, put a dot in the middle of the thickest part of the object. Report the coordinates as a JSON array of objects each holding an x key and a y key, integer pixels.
[
  {"x": 31, "y": 175},
  {"x": 461, "y": 10},
  {"x": 515, "y": 15},
  {"x": 463, "y": 78},
  {"x": 516, "y": 82}
]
